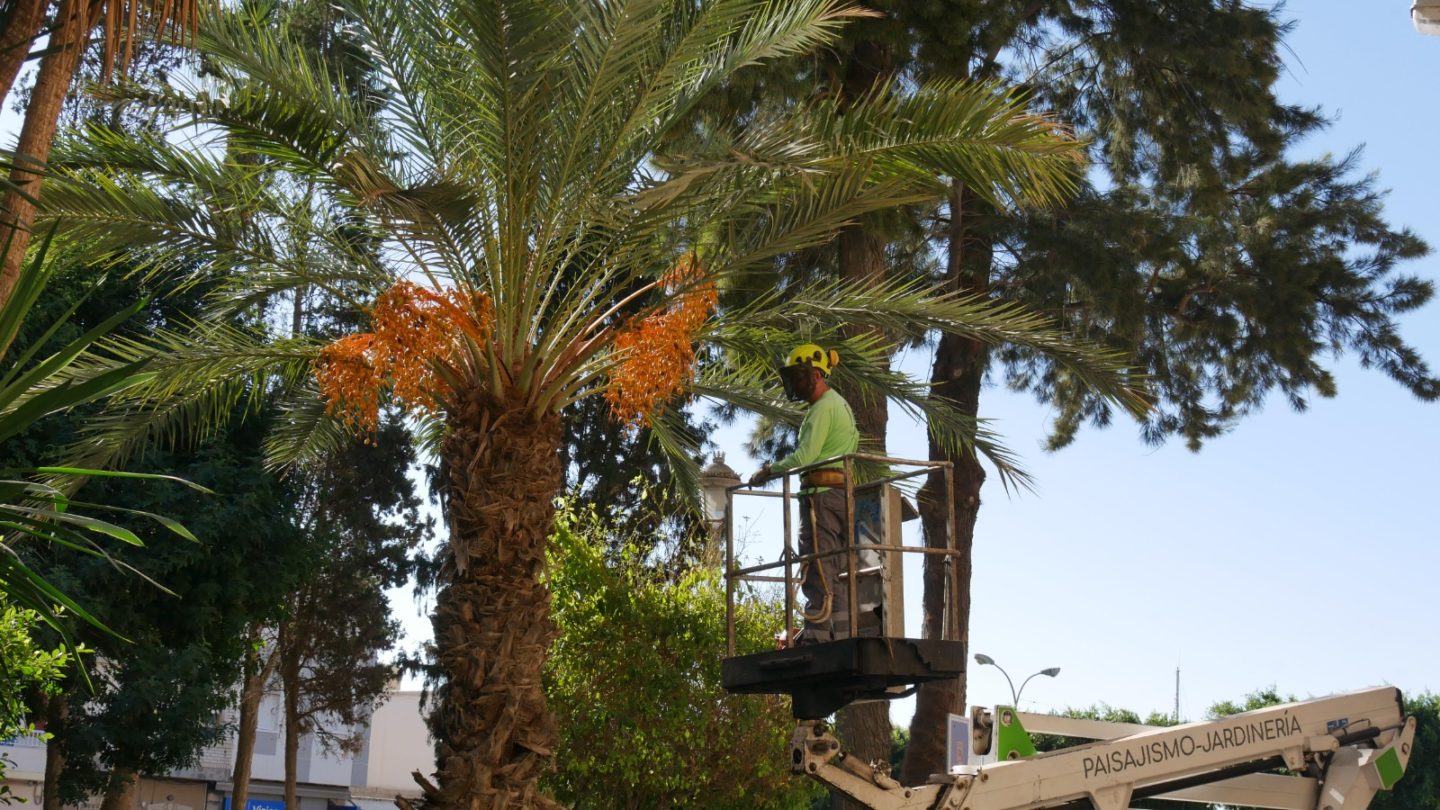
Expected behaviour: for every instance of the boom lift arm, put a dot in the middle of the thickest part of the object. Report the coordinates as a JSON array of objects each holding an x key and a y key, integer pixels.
[{"x": 1343, "y": 749}]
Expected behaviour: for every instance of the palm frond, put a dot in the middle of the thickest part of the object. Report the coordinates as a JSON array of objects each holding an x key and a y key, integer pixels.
[
  {"x": 906, "y": 308},
  {"x": 196, "y": 383},
  {"x": 683, "y": 453},
  {"x": 981, "y": 134},
  {"x": 303, "y": 430}
]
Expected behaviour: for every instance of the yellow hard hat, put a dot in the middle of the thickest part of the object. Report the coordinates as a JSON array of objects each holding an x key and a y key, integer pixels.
[{"x": 809, "y": 354}]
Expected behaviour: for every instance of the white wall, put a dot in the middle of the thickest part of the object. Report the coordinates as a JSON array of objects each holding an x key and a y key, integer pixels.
[{"x": 399, "y": 744}]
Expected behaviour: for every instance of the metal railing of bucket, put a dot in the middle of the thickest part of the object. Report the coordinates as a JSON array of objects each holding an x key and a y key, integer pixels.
[{"x": 790, "y": 559}]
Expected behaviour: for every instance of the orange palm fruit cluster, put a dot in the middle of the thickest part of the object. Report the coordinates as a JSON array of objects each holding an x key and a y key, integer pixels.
[
  {"x": 657, "y": 351},
  {"x": 413, "y": 331}
]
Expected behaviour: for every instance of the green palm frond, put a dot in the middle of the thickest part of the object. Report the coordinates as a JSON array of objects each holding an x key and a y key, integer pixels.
[
  {"x": 906, "y": 308},
  {"x": 303, "y": 429},
  {"x": 981, "y": 134},
  {"x": 121, "y": 213},
  {"x": 681, "y": 449},
  {"x": 197, "y": 381},
  {"x": 519, "y": 148}
]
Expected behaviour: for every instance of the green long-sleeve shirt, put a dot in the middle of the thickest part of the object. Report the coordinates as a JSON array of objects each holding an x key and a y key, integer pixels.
[{"x": 827, "y": 431}]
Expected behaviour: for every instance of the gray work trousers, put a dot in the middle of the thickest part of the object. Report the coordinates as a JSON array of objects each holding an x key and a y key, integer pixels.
[{"x": 822, "y": 529}]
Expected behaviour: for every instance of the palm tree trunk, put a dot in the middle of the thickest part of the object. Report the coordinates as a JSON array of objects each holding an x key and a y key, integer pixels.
[
  {"x": 957, "y": 374},
  {"x": 18, "y": 31},
  {"x": 494, "y": 735},
  {"x": 864, "y": 727},
  {"x": 42, "y": 117}
]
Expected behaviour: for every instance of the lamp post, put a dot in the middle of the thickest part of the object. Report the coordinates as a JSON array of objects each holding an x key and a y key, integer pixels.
[
  {"x": 1425, "y": 15},
  {"x": 714, "y": 481},
  {"x": 985, "y": 660}
]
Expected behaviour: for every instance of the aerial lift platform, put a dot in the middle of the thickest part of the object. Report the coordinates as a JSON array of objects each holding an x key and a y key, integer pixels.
[{"x": 1331, "y": 753}]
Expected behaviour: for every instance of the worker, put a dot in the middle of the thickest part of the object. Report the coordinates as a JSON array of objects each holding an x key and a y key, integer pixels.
[{"x": 828, "y": 431}]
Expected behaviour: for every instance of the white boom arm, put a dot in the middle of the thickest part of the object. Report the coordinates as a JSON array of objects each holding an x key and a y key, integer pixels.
[{"x": 1345, "y": 747}]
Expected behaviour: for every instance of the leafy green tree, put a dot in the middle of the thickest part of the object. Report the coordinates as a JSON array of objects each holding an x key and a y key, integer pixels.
[
  {"x": 168, "y": 654},
  {"x": 159, "y": 690},
  {"x": 30, "y": 675},
  {"x": 25, "y": 667},
  {"x": 517, "y": 163},
  {"x": 38, "y": 341},
  {"x": 634, "y": 676},
  {"x": 40, "y": 336}
]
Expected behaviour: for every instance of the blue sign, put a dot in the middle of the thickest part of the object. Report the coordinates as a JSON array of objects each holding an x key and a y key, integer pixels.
[{"x": 260, "y": 804}]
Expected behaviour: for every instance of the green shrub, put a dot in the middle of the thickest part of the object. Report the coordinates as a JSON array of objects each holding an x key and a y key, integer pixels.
[{"x": 634, "y": 682}]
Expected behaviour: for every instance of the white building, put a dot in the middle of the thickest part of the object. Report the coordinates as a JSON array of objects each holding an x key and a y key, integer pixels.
[
  {"x": 395, "y": 743},
  {"x": 399, "y": 744}
]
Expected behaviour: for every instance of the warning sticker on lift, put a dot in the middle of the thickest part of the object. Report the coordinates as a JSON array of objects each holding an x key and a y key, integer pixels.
[{"x": 1202, "y": 741}]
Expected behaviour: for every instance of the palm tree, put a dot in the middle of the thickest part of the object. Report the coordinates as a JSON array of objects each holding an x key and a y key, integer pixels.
[{"x": 498, "y": 190}]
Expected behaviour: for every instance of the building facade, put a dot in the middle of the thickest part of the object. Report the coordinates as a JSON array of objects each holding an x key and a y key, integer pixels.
[{"x": 393, "y": 744}]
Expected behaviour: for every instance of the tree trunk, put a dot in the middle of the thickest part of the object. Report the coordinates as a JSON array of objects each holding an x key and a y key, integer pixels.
[
  {"x": 57, "y": 713},
  {"x": 864, "y": 727},
  {"x": 291, "y": 748},
  {"x": 958, "y": 373},
  {"x": 122, "y": 791},
  {"x": 494, "y": 735},
  {"x": 42, "y": 117},
  {"x": 290, "y": 662},
  {"x": 18, "y": 31},
  {"x": 259, "y": 668}
]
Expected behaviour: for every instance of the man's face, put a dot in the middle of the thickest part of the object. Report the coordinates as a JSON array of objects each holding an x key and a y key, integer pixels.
[{"x": 799, "y": 382}]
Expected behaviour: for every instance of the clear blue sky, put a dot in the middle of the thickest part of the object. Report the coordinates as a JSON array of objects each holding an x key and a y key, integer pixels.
[{"x": 1301, "y": 550}]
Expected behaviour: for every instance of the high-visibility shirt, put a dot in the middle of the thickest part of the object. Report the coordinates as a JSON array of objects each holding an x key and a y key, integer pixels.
[{"x": 828, "y": 431}]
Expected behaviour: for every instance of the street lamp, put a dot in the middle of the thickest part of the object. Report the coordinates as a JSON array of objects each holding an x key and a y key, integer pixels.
[
  {"x": 985, "y": 660},
  {"x": 1425, "y": 14},
  {"x": 714, "y": 481}
]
